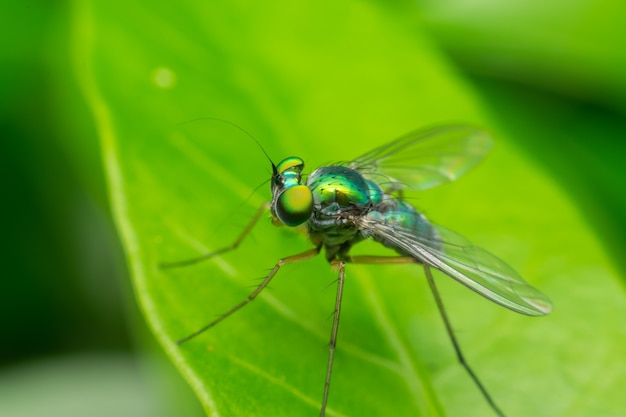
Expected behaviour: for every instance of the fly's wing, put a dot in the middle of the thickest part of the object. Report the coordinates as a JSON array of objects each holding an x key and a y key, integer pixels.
[
  {"x": 472, "y": 266},
  {"x": 425, "y": 158}
]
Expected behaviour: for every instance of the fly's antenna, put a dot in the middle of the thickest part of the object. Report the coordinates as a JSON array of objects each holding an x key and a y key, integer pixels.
[
  {"x": 245, "y": 132},
  {"x": 241, "y": 129}
]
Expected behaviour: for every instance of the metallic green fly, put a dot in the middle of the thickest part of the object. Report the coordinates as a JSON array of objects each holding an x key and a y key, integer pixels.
[{"x": 343, "y": 204}]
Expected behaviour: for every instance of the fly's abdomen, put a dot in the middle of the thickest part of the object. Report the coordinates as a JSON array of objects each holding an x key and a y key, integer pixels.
[{"x": 403, "y": 218}]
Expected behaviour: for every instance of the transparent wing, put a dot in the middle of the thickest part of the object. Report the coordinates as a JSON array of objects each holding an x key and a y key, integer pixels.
[
  {"x": 472, "y": 266},
  {"x": 425, "y": 158}
]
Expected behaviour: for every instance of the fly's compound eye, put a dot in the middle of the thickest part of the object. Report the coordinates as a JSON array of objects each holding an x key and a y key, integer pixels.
[{"x": 294, "y": 205}]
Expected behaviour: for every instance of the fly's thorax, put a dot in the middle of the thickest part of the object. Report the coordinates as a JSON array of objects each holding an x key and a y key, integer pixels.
[
  {"x": 337, "y": 189},
  {"x": 338, "y": 194},
  {"x": 292, "y": 202}
]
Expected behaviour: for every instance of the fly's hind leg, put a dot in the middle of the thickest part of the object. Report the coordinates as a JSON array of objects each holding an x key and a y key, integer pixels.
[
  {"x": 455, "y": 343},
  {"x": 365, "y": 259}
]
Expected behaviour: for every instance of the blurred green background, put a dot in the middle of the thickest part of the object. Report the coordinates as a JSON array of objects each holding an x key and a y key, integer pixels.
[{"x": 551, "y": 76}]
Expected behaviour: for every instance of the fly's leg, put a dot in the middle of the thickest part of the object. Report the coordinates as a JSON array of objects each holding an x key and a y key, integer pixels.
[
  {"x": 381, "y": 260},
  {"x": 225, "y": 249},
  {"x": 288, "y": 260},
  {"x": 457, "y": 348},
  {"x": 442, "y": 311},
  {"x": 341, "y": 266}
]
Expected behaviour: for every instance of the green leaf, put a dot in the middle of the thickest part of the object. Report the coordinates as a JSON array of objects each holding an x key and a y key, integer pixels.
[{"x": 328, "y": 81}]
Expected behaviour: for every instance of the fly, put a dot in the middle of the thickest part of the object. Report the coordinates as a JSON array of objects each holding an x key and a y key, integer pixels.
[{"x": 343, "y": 204}]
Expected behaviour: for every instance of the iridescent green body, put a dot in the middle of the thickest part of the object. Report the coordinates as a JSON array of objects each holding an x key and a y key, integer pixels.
[{"x": 338, "y": 192}]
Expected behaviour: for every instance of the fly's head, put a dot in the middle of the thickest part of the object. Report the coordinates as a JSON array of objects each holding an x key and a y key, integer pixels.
[{"x": 292, "y": 202}]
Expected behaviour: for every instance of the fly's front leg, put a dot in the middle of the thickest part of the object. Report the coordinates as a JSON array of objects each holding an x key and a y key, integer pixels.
[
  {"x": 225, "y": 249},
  {"x": 284, "y": 261}
]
